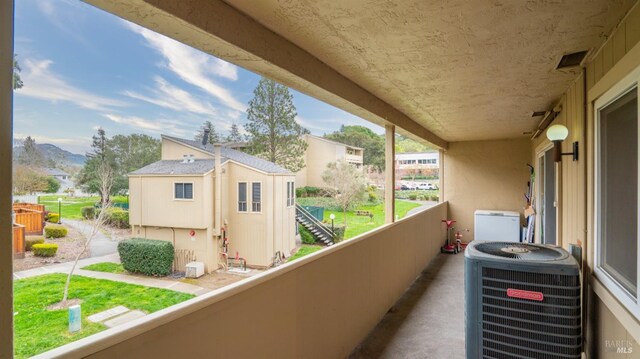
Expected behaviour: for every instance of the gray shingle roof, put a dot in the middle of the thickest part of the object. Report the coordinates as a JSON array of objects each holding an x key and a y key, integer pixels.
[
  {"x": 236, "y": 156},
  {"x": 176, "y": 167}
]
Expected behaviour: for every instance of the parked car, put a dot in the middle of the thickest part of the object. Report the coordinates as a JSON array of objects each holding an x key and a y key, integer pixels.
[{"x": 427, "y": 186}]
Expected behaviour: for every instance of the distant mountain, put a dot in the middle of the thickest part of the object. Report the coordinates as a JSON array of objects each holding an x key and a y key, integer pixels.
[{"x": 53, "y": 152}]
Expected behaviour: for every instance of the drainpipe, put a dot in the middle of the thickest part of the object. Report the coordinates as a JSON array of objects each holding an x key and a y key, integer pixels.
[{"x": 217, "y": 229}]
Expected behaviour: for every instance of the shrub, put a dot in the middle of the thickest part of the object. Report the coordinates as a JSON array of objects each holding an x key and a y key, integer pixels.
[
  {"x": 301, "y": 192},
  {"x": 29, "y": 241},
  {"x": 54, "y": 231},
  {"x": 435, "y": 198},
  {"x": 413, "y": 196},
  {"x": 117, "y": 217},
  {"x": 53, "y": 217},
  {"x": 88, "y": 212},
  {"x": 305, "y": 235},
  {"x": 146, "y": 256},
  {"x": 339, "y": 232},
  {"x": 44, "y": 249}
]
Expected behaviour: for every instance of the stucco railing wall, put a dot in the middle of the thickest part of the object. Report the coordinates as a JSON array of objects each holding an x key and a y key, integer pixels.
[{"x": 320, "y": 306}]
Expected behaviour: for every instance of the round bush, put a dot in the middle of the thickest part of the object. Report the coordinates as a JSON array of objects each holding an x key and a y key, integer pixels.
[
  {"x": 53, "y": 217},
  {"x": 88, "y": 212},
  {"x": 118, "y": 217},
  {"x": 55, "y": 231},
  {"x": 45, "y": 249},
  {"x": 29, "y": 241},
  {"x": 305, "y": 235}
]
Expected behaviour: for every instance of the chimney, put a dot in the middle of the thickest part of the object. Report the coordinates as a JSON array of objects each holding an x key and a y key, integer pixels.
[
  {"x": 205, "y": 137},
  {"x": 217, "y": 230}
]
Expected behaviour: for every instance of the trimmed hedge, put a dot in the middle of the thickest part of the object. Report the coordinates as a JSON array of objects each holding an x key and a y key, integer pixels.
[
  {"x": 29, "y": 241},
  {"x": 53, "y": 217},
  {"x": 146, "y": 256},
  {"x": 117, "y": 217},
  {"x": 339, "y": 232},
  {"x": 88, "y": 212},
  {"x": 44, "y": 249},
  {"x": 55, "y": 231}
]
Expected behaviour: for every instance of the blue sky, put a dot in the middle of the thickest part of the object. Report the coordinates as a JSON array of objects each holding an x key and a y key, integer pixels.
[{"x": 83, "y": 68}]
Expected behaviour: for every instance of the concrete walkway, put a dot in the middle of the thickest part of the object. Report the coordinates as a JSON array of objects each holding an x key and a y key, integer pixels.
[
  {"x": 428, "y": 321},
  {"x": 424, "y": 205},
  {"x": 125, "y": 278},
  {"x": 100, "y": 245}
]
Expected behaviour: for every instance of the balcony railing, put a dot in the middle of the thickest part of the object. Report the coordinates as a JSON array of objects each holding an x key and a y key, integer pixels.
[{"x": 322, "y": 305}]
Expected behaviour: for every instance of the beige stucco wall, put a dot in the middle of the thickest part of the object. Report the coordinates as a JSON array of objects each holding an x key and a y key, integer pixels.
[
  {"x": 320, "y": 306},
  {"x": 485, "y": 175},
  {"x": 258, "y": 236},
  {"x": 318, "y": 155},
  {"x": 175, "y": 151}
]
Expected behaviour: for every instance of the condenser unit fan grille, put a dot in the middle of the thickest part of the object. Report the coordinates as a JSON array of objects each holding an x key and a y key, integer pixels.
[{"x": 521, "y": 251}]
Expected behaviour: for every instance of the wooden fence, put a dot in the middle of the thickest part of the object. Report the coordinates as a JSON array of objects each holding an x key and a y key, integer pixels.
[
  {"x": 18, "y": 241},
  {"x": 31, "y": 216}
]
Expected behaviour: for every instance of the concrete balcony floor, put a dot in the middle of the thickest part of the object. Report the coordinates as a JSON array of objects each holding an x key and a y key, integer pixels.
[{"x": 428, "y": 321}]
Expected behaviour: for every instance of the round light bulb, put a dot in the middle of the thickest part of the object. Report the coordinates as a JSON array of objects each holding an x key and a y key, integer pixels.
[
  {"x": 557, "y": 133},
  {"x": 332, "y": 216},
  {"x": 59, "y": 199}
]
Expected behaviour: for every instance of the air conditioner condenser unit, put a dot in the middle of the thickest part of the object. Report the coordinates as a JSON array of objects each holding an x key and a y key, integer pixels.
[{"x": 522, "y": 301}]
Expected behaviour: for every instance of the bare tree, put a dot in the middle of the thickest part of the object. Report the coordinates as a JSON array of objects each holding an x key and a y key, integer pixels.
[
  {"x": 105, "y": 176},
  {"x": 346, "y": 184}
]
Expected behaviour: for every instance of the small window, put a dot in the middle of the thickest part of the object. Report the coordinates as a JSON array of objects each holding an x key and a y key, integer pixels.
[
  {"x": 183, "y": 191},
  {"x": 256, "y": 195},
  {"x": 290, "y": 194},
  {"x": 242, "y": 197}
]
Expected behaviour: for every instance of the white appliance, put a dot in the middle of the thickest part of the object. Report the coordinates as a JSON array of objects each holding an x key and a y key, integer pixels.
[
  {"x": 494, "y": 225},
  {"x": 194, "y": 270}
]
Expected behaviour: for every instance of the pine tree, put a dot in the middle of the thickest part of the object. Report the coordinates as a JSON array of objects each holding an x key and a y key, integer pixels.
[
  {"x": 214, "y": 136},
  {"x": 273, "y": 131},
  {"x": 234, "y": 134},
  {"x": 31, "y": 155},
  {"x": 17, "y": 81}
]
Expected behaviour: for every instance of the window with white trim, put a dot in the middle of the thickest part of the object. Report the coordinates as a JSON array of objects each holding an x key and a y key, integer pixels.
[
  {"x": 242, "y": 196},
  {"x": 616, "y": 186},
  {"x": 291, "y": 194},
  {"x": 256, "y": 197},
  {"x": 183, "y": 191}
]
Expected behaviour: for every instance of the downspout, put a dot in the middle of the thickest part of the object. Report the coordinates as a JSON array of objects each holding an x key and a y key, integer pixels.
[{"x": 217, "y": 229}]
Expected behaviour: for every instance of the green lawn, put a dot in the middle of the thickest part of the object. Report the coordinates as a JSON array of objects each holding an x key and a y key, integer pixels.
[
  {"x": 38, "y": 329},
  {"x": 357, "y": 225},
  {"x": 105, "y": 267},
  {"x": 306, "y": 249},
  {"x": 72, "y": 206}
]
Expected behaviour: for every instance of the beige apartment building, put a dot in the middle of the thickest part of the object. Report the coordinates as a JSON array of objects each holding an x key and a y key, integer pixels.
[
  {"x": 319, "y": 154},
  {"x": 198, "y": 199}
]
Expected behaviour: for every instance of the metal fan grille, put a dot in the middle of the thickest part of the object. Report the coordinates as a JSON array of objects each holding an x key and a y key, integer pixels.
[{"x": 521, "y": 251}]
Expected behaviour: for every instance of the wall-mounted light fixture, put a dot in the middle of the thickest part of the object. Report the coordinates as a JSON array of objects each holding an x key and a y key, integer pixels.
[{"x": 557, "y": 134}]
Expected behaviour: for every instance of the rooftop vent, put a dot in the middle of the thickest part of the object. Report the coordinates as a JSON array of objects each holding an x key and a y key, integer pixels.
[
  {"x": 572, "y": 60},
  {"x": 188, "y": 159}
]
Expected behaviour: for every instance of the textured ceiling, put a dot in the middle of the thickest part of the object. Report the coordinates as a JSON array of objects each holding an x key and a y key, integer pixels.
[{"x": 466, "y": 70}]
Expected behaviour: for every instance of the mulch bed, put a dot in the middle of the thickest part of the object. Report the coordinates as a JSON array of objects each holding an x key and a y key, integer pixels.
[{"x": 68, "y": 248}]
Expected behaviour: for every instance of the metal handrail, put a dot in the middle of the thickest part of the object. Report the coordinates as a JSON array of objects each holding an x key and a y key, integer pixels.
[{"x": 319, "y": 225}]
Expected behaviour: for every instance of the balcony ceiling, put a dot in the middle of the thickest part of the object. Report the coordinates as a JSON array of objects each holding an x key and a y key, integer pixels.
[{"x": 465, "y": 70}]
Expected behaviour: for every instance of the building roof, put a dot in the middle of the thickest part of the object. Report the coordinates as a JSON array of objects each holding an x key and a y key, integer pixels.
[
  {"x": 334, "y": 142},
  {"x": 55, "y": 172},
  {"x": 234, "y": 155},
  {"x": 176, "y": 167}
]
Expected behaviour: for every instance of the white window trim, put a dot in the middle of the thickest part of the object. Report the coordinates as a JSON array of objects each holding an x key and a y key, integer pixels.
[
  {"x": 248, "y": 199},
  {"x": 193, "y": 192},
  {"x": 631, "y": 303},
  {"x": 261, "y": 198}
]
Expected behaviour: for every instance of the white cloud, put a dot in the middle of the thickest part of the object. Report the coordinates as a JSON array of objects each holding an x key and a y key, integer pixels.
[
  {"x": 43, "y": 83},
  {"x": 168, "y": 96},
  {"x": 193, "y": 66},
  {"x": 157, "y": 126}
]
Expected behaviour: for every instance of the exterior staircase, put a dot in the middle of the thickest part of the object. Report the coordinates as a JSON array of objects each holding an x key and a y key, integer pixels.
[{"x": 322, "y": 233}]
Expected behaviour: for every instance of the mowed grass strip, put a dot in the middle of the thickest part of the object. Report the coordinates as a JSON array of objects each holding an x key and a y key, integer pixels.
[
  {"x": 38, "y": 329},
  {"x": 107, "y": 267},
  {"x": 72, "y": 206}
]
